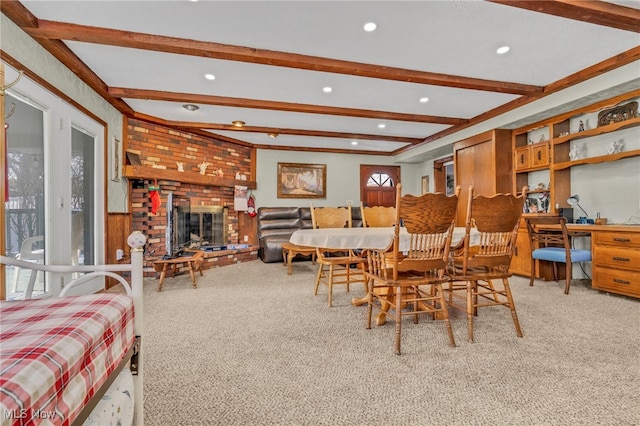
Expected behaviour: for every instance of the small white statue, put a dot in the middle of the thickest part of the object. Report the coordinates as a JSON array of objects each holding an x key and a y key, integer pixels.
[
  {"x": 615, "y": 147},
  {"x": 203, "y": 167},
  {"x": 574, "y": 154},
  {"x": 238, "y": 176},
  {"x": 180, "y": 165}
]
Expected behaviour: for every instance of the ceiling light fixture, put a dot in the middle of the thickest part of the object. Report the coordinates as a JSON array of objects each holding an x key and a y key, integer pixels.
[
  {"x": 424, "y": 100},
  {"x": 191, "y": 107},
  {"x": 273, "y": 135},
  {"x": 210, "y": 76},
  {"x": 382, "y": 126},
  {"x": 354, "y": 142},
  {"x": 327, "y": 89},
  {"x": 502, "y": 50},
  {"x": 370, "y": 26},
  {"x": 238, "y": 123}
]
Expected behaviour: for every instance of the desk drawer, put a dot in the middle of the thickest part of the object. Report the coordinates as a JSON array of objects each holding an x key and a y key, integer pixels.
[
  {"x": 619, "y": 239},
  {"x": 617, "y": 257},
  {"x": 617, "y": 281}
]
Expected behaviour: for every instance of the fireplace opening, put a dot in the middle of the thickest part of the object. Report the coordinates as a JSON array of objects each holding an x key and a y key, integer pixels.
[{"x": 190, "y": 226}]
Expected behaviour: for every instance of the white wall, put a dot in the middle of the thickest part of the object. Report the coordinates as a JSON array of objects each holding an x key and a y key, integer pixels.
[{"x": 343, "y": 177}]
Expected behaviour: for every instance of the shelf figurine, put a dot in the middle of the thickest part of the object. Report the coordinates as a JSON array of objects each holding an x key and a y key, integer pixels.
[
  {"x": 574, "y": 154},
  {"x": 581, "y": 126},
  {"x": 203, "y": 166},
  {"x": 614, "y": 147}
]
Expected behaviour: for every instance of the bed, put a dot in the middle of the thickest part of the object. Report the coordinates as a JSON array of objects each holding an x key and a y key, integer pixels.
[{"x": 59, "y": 357}]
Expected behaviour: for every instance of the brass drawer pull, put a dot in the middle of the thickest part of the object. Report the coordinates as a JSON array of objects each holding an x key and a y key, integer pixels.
[
  {"x": 622, "y": 240},
  {"x": 619, "y": 281},
  {"x": 621, "y": 259}
]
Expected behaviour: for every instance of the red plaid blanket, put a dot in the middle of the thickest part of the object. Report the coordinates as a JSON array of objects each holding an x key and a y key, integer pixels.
[{"x": 56, "y": 353}]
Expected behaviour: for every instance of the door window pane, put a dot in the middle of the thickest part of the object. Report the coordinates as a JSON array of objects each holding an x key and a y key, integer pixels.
[
  {"x": 25, "y": 208},
  {"x": 82, "y": 198}
]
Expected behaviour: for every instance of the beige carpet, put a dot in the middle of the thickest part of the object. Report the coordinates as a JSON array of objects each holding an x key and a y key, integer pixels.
[{"x": 253, "y": 346}]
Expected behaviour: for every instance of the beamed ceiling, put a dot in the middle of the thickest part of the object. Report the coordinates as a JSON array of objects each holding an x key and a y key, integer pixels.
[{"x": 272, "y": 59}]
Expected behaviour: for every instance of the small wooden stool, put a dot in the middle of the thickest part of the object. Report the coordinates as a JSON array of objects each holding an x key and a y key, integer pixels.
[
  {"x": 290, "y": 250},
  {"x": 193, "y": 260}
]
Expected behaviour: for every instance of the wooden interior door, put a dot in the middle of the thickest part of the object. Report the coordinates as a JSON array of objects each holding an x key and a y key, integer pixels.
[
  {"x": 378, "y": 185},
  {"x": 473, "y": 166}
]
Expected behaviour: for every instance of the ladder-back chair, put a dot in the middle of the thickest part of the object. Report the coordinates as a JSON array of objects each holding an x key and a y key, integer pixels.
[
  {"x": 335, "y": 266},
  {"x": 414, "y": 277},
  {"x": 487, "y": 257},
  {"x": 554, "y": 245}
]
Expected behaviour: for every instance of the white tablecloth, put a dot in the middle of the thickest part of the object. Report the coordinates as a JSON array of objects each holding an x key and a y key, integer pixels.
[{"x": 357, "y": 238}]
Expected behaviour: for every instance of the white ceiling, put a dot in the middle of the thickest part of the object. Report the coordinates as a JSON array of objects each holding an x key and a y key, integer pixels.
[{"x": 459, "y": 38}]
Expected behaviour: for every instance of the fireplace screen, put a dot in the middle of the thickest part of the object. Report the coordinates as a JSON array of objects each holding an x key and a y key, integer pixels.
[{"x": 194, "y": 226}]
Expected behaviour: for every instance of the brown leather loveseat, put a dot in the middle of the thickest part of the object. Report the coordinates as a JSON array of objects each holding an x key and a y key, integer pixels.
[{"x": 276, "y": 224}]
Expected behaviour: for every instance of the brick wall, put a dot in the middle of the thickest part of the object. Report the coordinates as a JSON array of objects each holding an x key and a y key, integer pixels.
[{"x": 161, "y": 147}]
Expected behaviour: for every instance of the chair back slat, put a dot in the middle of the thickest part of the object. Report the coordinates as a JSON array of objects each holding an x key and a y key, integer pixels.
[
  {"x": 331, "y": 217},
  {"x": 378, "y": 216},
  {"x": 496, "y": 218},
  {"x": 429, "y": 220}
]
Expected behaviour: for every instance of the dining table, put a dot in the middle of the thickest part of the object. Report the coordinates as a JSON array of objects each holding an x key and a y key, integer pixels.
[{"x": 362, "y": 238}]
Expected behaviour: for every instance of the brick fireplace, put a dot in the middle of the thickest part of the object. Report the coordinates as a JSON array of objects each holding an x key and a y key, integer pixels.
[{"x": 151, "y": 157}]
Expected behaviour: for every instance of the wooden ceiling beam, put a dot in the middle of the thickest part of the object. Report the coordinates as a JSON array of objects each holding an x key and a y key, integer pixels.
[
  {"x": 594, "y": 12},
  {"x": 158, "y": 95},
  {"x": 296, "y": 132},
  {"x": 129, "y": 39}
]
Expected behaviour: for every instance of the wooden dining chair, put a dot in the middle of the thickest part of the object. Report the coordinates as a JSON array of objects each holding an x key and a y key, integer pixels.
[
  {"x": 336, "y": 266},
  {"x": 480, "y": 262},
  {"x": 414, "y": 277},
  {"x": 377, "y": 216},
  {"x": 554, "y": 245}
]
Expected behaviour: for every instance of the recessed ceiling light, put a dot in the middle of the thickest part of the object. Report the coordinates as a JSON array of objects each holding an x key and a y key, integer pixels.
[
  {"x": 354, "y": 142},
  {"x": 210, "y": 76},
  {"x": 191, "y": 107},
  {"x": 502, "y": 50},
  {"x": 370, "y": 26},
  {"x": 424, "y": 100},
  {"x": 327, "y": 89},
  {"x": 382, "y": 126},
  {"x": 238, "y": 123}
]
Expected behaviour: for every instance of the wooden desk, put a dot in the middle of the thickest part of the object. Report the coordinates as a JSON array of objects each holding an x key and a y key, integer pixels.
[
  {"x": 193, "y": 260},
  {"x": 616, "y": 257}
]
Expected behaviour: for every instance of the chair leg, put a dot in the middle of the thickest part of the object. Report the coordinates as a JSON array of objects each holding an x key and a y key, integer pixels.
[
  {"x": 445, "y": 314},
  {"x": 568, "y": 273},
  {"x": 330, "y": 284},
  {"x": 512, "y": 307},
  {"x": 533, "y": 272},
  {"x": 470, "y": 310},
  {"x": 318, "y": 277},
  {"x": 371, "y": 300},
  {"x": 398, "y": 319}
]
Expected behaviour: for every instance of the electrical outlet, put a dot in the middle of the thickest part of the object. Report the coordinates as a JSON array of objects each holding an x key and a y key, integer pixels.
[
  {"x": 119, "y": 254},
  {"x": 246, "y": 238}
]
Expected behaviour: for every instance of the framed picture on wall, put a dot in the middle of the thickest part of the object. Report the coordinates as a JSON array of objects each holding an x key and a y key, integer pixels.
[{"x": 296, "y": 180}]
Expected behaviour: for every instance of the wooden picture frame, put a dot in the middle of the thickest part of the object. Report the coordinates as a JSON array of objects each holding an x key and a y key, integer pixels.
[
  {"x": 296, "y": 180},
  {"x": 424, "y": 185},
  {"x": 116, "y": 163}
]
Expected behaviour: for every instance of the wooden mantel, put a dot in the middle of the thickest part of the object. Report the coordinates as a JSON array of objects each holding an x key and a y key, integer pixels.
[{"x": 143, "y": 172}]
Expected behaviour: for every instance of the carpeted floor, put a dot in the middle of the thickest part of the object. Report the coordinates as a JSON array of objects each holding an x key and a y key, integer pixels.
[{"x": 253, "y": 346}]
